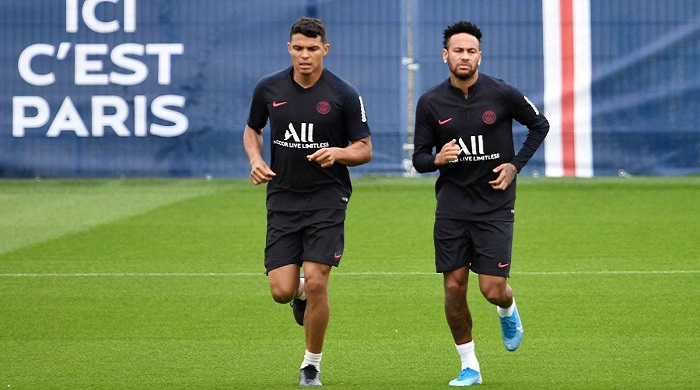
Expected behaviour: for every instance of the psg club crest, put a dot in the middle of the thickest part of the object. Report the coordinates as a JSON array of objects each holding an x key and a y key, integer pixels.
[
  {"x": 489, "y": 117},
  {"x": 323, "y": 107}
]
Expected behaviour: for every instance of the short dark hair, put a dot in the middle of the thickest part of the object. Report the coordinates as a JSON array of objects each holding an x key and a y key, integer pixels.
[
  {"x": 309, "y": 27},
  {"x": 458, "y": 28}
]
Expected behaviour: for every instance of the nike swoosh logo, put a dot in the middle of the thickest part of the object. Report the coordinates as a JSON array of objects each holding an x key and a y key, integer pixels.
[
  {"x": 277, "y": 104},
  {"x": 443, "y": 121},
  {"x": 337, "y": 256},
  {"x": 503, "y": 265}
]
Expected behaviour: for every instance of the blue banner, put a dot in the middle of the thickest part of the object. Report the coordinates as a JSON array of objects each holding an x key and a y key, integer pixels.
[{"x": 161, "y": 88}]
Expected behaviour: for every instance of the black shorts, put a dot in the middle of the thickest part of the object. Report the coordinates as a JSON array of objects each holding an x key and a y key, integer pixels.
[
  {"x": 484, "y": 247},
  {"x": 297, "y": 236}
]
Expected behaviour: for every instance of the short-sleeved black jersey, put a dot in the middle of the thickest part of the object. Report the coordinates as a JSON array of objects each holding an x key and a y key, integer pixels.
[
  {"x": 482, "y": 124},
  {"x": 302, "y": 121}
]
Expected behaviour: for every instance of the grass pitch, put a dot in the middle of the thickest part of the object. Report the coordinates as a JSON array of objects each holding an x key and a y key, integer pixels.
[{"x": 158, "y": 284}]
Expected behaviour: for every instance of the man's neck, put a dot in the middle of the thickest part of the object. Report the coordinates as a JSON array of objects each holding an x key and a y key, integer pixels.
[
  {"x": 307, "y": 81},
  {"x": 464, "y": 84}
]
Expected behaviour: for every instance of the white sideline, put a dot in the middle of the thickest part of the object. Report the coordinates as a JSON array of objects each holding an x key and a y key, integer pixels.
[{"x": 235, "y": 274}]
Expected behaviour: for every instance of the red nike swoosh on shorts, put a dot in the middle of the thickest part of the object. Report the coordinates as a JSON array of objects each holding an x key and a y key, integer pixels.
[
  {"x": 277, "y": 104},
  {"x": 337, "y": 256},
  {"x": 443, "y": 121},
  {"x": 503, "y": 265}
]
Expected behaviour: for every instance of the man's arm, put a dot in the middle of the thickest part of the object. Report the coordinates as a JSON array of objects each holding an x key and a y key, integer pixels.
[
  {"x": 527, "y": 114},
  {"x": 424, "y": 159},
  {"x": 260, "y": 172},
  {"x": 357, "y": 153},
  {"x": 538, "y": 127}
]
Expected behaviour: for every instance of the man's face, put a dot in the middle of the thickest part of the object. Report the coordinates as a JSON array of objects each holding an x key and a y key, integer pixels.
[
  {"x": 463, "y": 55},
  {"x": 307, "y": 54}
]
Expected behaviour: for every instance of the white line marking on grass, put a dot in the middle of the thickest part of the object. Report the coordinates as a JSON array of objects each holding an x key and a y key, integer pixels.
[
  {"x": 131, "y": 274},
  {"x": 235, "y": 274},
  {"x": 652, "y": 272}
]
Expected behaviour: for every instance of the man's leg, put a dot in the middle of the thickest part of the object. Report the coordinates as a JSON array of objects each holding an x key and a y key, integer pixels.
[
  {"x": 315, "y": 321},
  {"x": 456, "y": 309},
  {"x": 284, "y": 283},
  {"x": 317, "y": 305},
  {"x": 497, "y": 291},
  {"x": 460, "y": 321},
  {"x": 282, "y": 249}
]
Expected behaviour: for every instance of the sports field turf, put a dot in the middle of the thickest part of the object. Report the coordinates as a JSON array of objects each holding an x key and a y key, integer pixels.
[{"x": 158, "y": 284}]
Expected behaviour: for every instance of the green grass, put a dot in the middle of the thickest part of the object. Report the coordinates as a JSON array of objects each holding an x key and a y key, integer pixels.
[{"x": 158, "y": 284}]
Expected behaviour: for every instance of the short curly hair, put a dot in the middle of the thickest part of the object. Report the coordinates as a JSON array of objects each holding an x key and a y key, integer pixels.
[{"x": 458, "y": 28}]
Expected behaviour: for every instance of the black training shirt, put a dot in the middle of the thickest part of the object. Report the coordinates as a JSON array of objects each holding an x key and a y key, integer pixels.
[
  {"x": 302, "y": 121},
  {"x": 482, "y": 124}
]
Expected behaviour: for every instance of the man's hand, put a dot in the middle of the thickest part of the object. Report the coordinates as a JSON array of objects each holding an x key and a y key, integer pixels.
[
  {"x": 325, "y": 157},
  {"x": 260, "y": 172},
  {"x": 506, "y": 174},
  {"x": 448, "y": 153}
]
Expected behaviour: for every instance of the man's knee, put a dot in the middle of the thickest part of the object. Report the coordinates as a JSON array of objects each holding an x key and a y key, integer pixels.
[
  {"x": 455, "y": 289},
  {"x": 316, "y": 279},
  {"x": 284, "y": 283},
  {"x": 492, "y": 294},
  {"x": 495, "y": 290},
  {"x": 455, "y": 284},
  {"x": 282, "y": 295},
  {"x": 316, "y": 286}
]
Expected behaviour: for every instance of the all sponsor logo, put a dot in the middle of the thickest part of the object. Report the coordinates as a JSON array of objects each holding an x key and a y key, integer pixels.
[
  {"x": 307, "y": 133},
  {"x": 473, "y": 150},
  {"x": 303, "y": 138}
]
